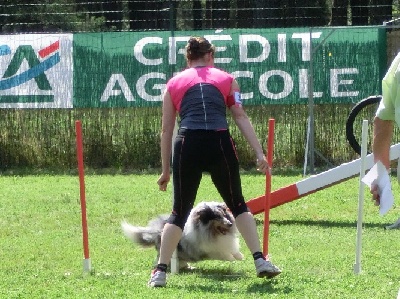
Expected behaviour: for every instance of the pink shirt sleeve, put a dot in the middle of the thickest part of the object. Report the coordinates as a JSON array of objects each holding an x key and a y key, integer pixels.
[{"x": 179, "y": 84}]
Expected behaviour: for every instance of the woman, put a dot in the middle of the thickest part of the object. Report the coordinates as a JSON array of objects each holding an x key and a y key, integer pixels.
[{"x": 200, "y": 95}]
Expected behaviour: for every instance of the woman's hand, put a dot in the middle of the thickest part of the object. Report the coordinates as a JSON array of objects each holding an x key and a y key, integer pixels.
[
  {"x": 163, "y": 181},
  {"x": 375, "y": 194},
  {"x": 262, "y": 165}
]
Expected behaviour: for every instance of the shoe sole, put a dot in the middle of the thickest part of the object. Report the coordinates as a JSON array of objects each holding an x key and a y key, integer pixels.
[
  {"x": 268, "y": 275},
  {"x": 153, "y": 285}
]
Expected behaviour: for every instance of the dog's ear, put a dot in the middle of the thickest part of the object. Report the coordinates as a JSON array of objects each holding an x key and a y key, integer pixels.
[
  {"x": 204, "y": 211},
  {"x": 226, "y": 211},
  {"x": 224, "y": 208},
  {"x": 205, "y": 214}
]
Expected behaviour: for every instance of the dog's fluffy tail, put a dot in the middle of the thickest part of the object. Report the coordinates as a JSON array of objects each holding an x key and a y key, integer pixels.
[{"x": 144, "y": 236}]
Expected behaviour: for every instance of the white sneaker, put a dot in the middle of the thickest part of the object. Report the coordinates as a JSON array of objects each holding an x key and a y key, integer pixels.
[
  {"x": 266, "y": 268},
  {"x": 157, "y": 279},
  {"x": 395, "y": 225}
]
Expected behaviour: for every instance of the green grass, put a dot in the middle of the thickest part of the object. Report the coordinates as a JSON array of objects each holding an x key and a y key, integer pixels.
[{"x": 312, "y": 239}]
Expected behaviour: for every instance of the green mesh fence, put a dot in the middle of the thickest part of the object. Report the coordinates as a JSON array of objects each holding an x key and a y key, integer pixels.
[{"x": 112, "y": 82}]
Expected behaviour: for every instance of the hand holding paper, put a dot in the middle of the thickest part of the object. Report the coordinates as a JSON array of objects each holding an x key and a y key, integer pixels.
[{"x": 379, "y": 175}]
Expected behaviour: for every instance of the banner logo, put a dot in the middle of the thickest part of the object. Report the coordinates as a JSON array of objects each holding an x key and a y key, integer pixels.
[{"x": 31, "y": 73}]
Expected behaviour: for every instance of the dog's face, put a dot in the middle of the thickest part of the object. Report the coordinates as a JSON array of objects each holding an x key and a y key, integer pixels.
[{"x": 216, "y": 217}]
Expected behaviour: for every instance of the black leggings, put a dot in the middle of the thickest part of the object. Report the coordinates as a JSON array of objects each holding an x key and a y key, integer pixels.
[{"x": 198, "y": 151}]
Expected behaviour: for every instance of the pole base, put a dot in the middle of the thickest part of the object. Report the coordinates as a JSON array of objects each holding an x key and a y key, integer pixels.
[
  {"x": 357, "y": 268},
  {"x": 175, "y": 262},
  {"x": 87, "y": 265}
]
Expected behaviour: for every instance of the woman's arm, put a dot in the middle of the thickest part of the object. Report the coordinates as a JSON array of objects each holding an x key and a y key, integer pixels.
[
  {"x": 383, "y": 132},
  {"x": 168, "y": 124},
  {"x": 246, "y": 128}
]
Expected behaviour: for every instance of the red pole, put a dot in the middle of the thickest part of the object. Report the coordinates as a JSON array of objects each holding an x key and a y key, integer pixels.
[
  {"x": 268, "y": 177},
  {"x": 79, "y": 153}
]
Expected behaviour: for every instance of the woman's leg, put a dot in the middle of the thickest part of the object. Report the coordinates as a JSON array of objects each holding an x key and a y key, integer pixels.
[
  {"x": 186, "y": 179},
  {"x": 169, "y": 241},
  {"x": 226, "y": 177},
  {"x": 247, "y": 227}
]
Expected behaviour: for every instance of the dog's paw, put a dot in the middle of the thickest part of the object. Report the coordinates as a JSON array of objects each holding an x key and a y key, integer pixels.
[
  {"x": 238, "y": 256},
  {"x": 186, "y": 268}
]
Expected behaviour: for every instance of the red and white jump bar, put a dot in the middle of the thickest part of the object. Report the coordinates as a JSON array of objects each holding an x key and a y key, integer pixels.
[{"x": 316, "y": 182}]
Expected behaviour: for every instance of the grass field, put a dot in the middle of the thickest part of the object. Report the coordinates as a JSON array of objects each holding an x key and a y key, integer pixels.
[{"x": 312, "y": 239}]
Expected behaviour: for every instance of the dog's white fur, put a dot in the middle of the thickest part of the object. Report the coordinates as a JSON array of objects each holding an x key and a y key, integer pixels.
[{"x": 210, "y": 233}]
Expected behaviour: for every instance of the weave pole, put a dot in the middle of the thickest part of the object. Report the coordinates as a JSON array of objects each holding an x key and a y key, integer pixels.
[
  {"x": 79, "y": 153},
  {"x": 364, "y": 141},
  {"x": 268, "y": 178}
]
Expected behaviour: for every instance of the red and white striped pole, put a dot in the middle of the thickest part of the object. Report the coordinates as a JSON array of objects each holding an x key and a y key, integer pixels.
[
  {"x": 317, "y": 182},
  {"x": 79, "y": 152},
  {"x": 268, "y": 177}
]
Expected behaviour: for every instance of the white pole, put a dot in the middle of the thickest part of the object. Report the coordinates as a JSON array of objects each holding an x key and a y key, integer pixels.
[
  {"x": 364, "y": 141},
  {"x": 174, "y": 260},
  {"x": 87, "y": 265},
  {"x": 306, "y": 150}
]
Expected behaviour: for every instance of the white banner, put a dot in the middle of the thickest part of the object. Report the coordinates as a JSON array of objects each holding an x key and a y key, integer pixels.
[{"x": 36, "y": 71}]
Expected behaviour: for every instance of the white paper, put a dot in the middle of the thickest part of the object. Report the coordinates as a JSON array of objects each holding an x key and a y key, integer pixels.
[{"x": 379, "y": 175}]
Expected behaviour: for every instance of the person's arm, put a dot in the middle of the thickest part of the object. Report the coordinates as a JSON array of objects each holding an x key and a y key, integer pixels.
[
  {"x": 168, "y": 124},
  {"x": 384, "y": 120},
  {"x": 246, "y": 128},
  {"x": 383, "y": 132}
]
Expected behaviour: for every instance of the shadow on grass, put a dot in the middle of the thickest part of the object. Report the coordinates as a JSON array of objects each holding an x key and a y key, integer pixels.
[
  {"x": 267, "y": 287},
  {"x": 219, "y": 276},
  {"x": 258, "y": 289},
  {"x": 323, "y": 223}
]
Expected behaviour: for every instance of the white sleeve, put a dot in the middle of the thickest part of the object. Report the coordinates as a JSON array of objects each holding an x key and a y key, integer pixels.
[{"x": 386, "y": 109}]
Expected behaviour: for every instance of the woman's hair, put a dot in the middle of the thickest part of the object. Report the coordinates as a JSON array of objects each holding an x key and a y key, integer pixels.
[{"x": 197, "y": 47}]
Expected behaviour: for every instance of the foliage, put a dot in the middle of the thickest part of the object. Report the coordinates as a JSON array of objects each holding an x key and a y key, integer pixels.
[
  {"x": 72, "y": 16},
  {"x": 312, "y": 239},
  {"x": 129, "y": 138},
  {"x": 58, "y": 16}
]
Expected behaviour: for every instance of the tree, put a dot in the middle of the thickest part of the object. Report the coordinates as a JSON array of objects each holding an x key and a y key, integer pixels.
[
  {"x": 102, "y": 15},
  {"x": 295, "y": 13},
  {"x": 360, "y": 12},
  {"x": 16, "y": 17},
  {"x": 217, "y": 13},
  {"x": 150, "y": 15},
  {"x": 282, "y": 13},
  {"x": 110, "y": 11},
  {"x": 311, "y": 13},
  {"x": 197, "y": 15},
  {"x": 339, "y": 13},
  {"x": 380, "y": 11},
  {"x": 57, "y": 16}
]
